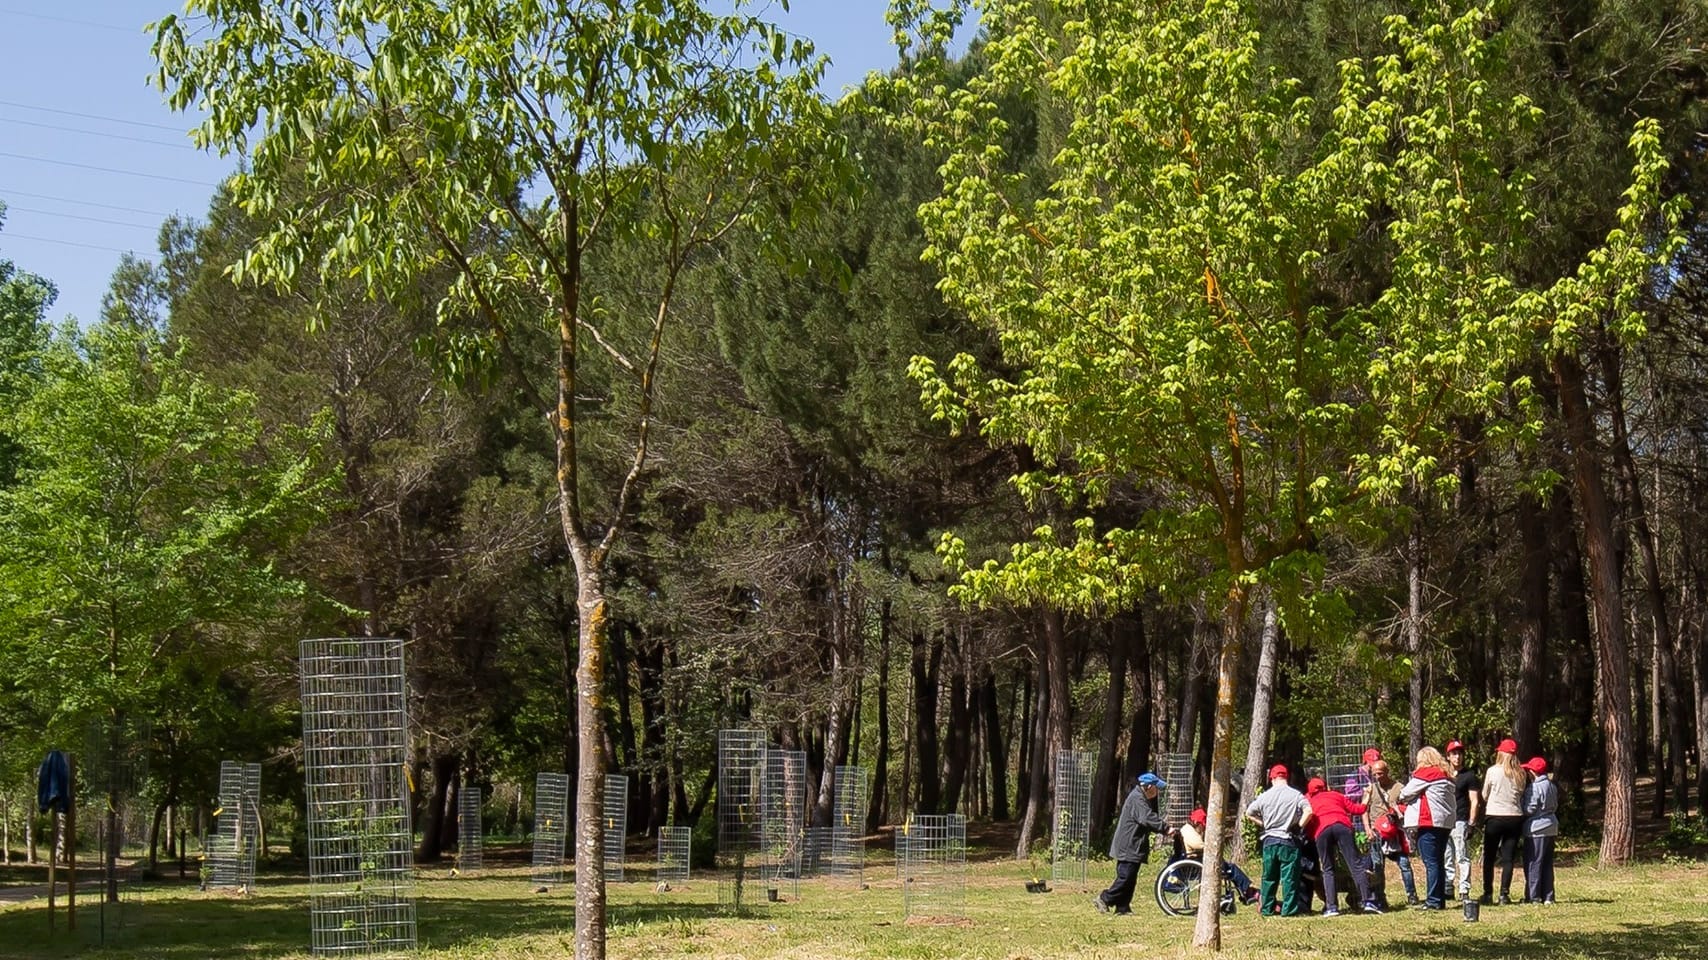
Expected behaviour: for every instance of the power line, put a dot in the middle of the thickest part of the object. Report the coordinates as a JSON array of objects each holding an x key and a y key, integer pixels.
[
  {"x": 96, "y": 133},
  {"x": 90, "y": 116},
  {"x": 5, "y": 192},
  {"x": 69, "y": 243},
  {"x": 72, "y": 20},
  {"x": 78, "y": 216},
  {"x": 90, "y": 166}
]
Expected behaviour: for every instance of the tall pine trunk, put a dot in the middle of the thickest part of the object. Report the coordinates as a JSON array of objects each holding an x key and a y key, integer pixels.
[
  {"x": 1618, "y": 837},
  {"x": 1533, "y": 625},
  {"x": 1262, "y": 707}
]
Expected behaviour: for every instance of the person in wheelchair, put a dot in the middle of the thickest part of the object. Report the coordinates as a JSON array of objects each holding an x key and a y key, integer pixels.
[{"x": 1191, "y": 844}]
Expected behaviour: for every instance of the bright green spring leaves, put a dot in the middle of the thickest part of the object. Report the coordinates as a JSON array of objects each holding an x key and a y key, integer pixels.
[{"x": 1171, "y": 278}]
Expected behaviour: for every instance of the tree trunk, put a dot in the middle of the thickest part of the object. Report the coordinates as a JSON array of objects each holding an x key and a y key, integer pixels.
[
  {"x": 1186, "y": 725},
  {"x": 1533, "y": 625},
  {"x": 1139, "y": 732},
  {"x": 927, "y": 662},
  {"x": 595, "y": 623},
  {"x": 438, "y": 809},
  {"x": 995, "y": 750},
  {"x": 1107, "y": 782},
  {"x": 1618, "y": 838},
  {"x": 881, "y": 774},
  {"x": 1262, "y": 706},
  {"x": 1060, "y": 736},
  {"x": 654, "y": 769},
  {"x": 958, "y": 747},
  {"x": 1572, "y": 759},
  {"x": 1037, "y": 776},
  {"x": 1208, "y": 931},
  {"x": 835, "y": 738},
  {"x": 1414, "y": 636}
]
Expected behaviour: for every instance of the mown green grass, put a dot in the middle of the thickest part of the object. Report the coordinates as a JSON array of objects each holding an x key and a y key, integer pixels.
[{"x": 1650, "y": 912}]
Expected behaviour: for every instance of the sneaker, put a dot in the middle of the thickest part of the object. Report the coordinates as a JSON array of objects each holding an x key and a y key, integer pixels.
[
  {"x": 1486, "y": 900},
  {"x": 1504, "y": 900},
  {"x": 1371, "y": 906},
  {"x": 1412, "y": 900},
  {"x": 1331, "y": 912},
  {"x": 1102, "y": 905},
  {"x": 1248, "y": 898}
]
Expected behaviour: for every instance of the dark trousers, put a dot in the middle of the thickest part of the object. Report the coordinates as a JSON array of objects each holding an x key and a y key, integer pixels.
[
  {"x": 1340, "y": 835},
  {"x": 1119, "y": 896},
  {"x": 1538, "y": 868},
  {"x": 1432, "y": 848},
  {"x": 1502, "y": 835}
]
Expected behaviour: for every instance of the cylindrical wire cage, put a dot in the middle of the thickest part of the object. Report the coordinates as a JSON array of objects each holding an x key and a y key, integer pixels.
[
  {"x": 1345, "y": 738},
  {"x": 471, "y": 831},
  {"x": 740, "y": 808},
  {"x": 551, "y": 827},
  {"x": 784, "y": 802},
  {"x": 675, "y": 851},
  {"x": 616, "y": 817},
  {"x": 1177, "y": 770},
  {"x": 234, "y": 840},
  {"x": 1070, "y": 836},
  {"x": 356, "y": 756},
  {"x": 933, "y": 853},
  {"x": 848, "y": 829}
]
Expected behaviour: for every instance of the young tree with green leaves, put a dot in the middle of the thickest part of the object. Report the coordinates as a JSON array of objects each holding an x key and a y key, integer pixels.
[
  {"x": 504, "y": 141},
  {"x": 1158, "y": 291}
]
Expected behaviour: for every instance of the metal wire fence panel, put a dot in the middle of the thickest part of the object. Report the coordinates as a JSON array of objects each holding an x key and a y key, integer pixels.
[
  {"x": 848, "y": 831},
  {"x": 1177, "y": 800},
  {"x": 1070, "y": 838},
  {"x": 1345, "y": 738},
  {"x": 933, "y": 852},
  {"x": 471, "y": 831},
  {"x": 551, "y": 827},
  {"x": 235, "y": 837},
  {"x": 616, "y": 816},
  {"x": 675, "y": 851},
  {"x": 784, "y": 804},
  {"x": 816, "y": 852},
  {"x": 356, "y": 751},
  {"x": 741, "y": 775}
]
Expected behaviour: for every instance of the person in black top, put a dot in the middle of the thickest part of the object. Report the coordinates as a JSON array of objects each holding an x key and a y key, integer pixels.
[
  {"x": 1468, "y": 787},
  {"x": 1132, "y": 844}
]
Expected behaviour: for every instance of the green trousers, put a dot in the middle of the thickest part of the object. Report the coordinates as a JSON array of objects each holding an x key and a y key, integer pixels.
[{"x": 1281, "y": 867}]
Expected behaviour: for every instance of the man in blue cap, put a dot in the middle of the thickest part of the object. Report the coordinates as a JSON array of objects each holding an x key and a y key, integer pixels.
[{"x": 1132, "y": 844}]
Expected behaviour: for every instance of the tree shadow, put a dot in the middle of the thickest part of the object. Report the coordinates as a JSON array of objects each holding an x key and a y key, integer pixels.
[{"x": 1682, "y": 938}]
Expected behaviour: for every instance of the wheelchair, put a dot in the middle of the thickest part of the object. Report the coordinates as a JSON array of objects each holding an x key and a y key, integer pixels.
[{"x": 1180, "y": 883}]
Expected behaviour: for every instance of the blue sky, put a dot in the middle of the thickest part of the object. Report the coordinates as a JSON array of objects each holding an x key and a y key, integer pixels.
[{"x": 91, "y": 160}]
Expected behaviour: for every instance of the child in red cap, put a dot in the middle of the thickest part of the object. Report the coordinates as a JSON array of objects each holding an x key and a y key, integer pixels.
[{"x": 1541, "y": 828}]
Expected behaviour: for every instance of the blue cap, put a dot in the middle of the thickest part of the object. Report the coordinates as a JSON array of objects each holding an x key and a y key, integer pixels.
[{"x": 1148, "y": 779}]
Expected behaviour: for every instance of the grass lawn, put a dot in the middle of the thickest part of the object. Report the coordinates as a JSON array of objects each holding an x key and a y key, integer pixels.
[{"x": 1656, "y": 911}]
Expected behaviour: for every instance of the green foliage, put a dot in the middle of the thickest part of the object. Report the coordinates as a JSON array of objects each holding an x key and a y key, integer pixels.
[
  {"x": 141, "y": 527},
  {"x": 1159, "y": 288}
]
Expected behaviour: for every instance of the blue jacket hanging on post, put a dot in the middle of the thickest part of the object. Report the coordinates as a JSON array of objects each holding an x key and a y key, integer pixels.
[{"x": 53, "y": 783}]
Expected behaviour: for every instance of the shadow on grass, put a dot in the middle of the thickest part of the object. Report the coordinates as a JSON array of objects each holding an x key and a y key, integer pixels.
[{"x": 1630, "y": 941}]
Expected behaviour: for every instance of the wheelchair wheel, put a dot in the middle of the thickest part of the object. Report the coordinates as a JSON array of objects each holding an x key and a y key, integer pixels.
[{"x": 1177, "y": 887}]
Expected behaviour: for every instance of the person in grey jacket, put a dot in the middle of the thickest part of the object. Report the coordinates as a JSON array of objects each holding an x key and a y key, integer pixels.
[
  {"x": 1132, "y": 844},
  {"x": 1541, "y": 828}
]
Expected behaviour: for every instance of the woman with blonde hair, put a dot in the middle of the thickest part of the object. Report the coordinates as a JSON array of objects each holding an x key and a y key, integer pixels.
[
  {"x": 1430, "y": 807},
  {"x": 1503, "y": 821}
]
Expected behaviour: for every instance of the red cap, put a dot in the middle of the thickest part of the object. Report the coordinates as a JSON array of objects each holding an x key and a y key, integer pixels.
[
  {"x": 1278, "y": 771},
  {"x": 1536, "y": 765},
  {"x": 1315, "y": 786},
  {"x": 1372, "y": 755},
  {"x": 1453, "y": 745},
  {"x": 1508, "y": 745},
  {"x": 1198, "y": 817}
]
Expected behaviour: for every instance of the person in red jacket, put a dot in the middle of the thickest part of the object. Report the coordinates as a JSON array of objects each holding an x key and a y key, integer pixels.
[{"x": 1332, "y": 819}]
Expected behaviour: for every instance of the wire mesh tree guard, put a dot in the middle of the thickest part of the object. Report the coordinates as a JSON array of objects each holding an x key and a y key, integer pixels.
[
  {"x": 1345, "y": 738},
  {"x": 237, "y": 827},
  {"x": 616, "y": 815},
  {"x": 933, "y": 853},
  {"x": 675, "y": 851},
  {"x": 551, "y": 827},
  {"x": 1070, "y": 838},
  {"x": 740, "y": 806},
  {"x": 1177, "y": 800},
  {"x": 817, "y": 852},
  {"x": 356, "y": 754},
  {"x": 848, "y": 829},
  {"x": 784, "y": 803},
  {"x": 471, "y": 831},
  {"x": 113, "y": 770}
]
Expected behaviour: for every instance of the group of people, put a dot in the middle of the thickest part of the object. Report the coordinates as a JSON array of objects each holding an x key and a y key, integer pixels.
[{"x": 1430, "y": 816}]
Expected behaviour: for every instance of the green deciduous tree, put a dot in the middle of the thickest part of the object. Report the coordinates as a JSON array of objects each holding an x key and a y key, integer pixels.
[
  {"x": 504, "y": 141},
  {"x": 1161, "y": 293}
]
